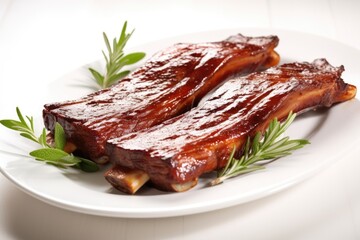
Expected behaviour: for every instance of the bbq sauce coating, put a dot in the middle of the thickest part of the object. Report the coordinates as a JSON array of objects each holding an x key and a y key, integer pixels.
[
  {"x": 170, "y": 83},
  {"x": 181, "y": 149}
]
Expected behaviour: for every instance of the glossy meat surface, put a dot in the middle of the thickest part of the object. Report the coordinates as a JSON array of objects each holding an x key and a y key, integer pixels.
[
  {"x": 181, "y": 149},
  {"x": 168, "y": 84}
]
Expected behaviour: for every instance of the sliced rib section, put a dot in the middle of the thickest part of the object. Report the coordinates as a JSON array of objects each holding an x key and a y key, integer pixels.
[
  {"x": 176, "y": 152},
  {"x": 168, "y": 84}
]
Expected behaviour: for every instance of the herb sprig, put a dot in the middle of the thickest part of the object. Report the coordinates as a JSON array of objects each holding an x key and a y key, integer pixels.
[
  {"x": 54, "y": 155},
  {"x": 116, "y": 60},
  {"x": 259, "y": 149}
]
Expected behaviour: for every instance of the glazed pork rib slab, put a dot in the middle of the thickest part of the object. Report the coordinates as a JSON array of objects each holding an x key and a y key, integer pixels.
[
  {"x": 168, "y": 84},
  {"x": 175, "y": 153}
]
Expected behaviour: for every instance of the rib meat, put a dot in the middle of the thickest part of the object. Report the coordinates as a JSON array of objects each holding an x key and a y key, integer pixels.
[
  {"x": 176, "y": 152},
  {"x": 170, "y": 83}
]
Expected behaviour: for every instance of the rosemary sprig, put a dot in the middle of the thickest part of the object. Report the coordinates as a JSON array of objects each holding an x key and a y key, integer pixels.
[
  {"x": 52, "y": 155},
  {"x": 116, "y": 60},
  {"x": 259, "y": 149},
  {"x": 26, "y": 129}
]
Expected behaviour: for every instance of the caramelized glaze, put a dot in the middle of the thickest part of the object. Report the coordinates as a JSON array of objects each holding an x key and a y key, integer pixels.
[
  {"x": 181, "y": 149},
  {"x": 170, "y": 83}
]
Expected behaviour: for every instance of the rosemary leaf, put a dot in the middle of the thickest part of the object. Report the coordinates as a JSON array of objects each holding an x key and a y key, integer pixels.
[
  {"x": 26, "y": 129},
  {"x": 42, "y": 139},
  {"x": 97, "y": 76}
]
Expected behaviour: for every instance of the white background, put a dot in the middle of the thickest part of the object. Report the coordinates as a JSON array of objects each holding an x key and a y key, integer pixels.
[{"x": 42, "y": 40}]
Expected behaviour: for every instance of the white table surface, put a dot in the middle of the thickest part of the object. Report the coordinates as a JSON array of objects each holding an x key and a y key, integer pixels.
[{"x": 42, "y": 40}]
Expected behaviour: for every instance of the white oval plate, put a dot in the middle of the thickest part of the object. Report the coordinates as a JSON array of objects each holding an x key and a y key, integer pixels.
[{"x": 331, "y": 132}]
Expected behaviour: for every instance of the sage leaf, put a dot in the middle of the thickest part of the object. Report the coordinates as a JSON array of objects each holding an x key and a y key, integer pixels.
[
  {"x": 87, "y": 165},
  {"x": 50, "y": 154},
  {"x": 59, "y": 136}
]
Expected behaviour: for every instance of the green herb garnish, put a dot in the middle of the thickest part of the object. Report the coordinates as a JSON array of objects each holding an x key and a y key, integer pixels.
[
  {"x": 259, "y": 149},
  {"x": 116, "y": 60},
  {"x": 52, "y": 155}
]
